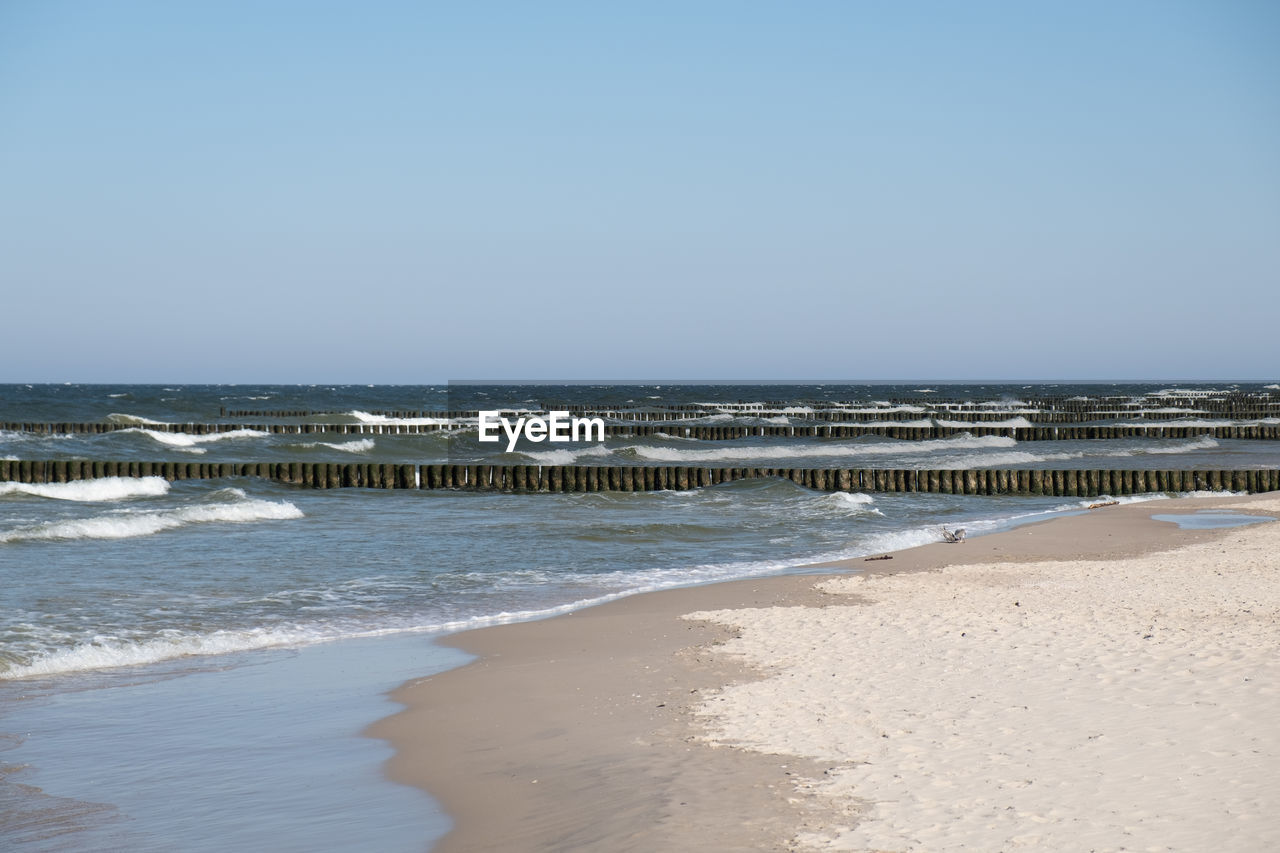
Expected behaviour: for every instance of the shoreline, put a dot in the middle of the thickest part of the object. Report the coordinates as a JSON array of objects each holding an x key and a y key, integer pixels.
[{"x": 589, "y": 730}]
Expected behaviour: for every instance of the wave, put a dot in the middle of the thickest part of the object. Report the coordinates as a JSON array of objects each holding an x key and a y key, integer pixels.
[
  {"x": 851, "y": 498},
  {"x": 112, "y": 652},
  {"x": 820, "y": 450},
  {"x": 1008, "y": 423},
  {"x": 367, "y": 418},
  {"x": 102, "y": 489},
  {"x": 852, "y": 503},
  {"x": 917, "y": 423},
  {"x": 109, "y": 653},
  {"x": 1202, "y": 443},
  {"x": 1000, "y": 460},
  {"x": 125, "y": 524},
  {"x": 1191, "y": 392},
  {"x": 362, "y": 445},
  {"x": 886, "y": 406},
  {"x": 1024, "y": 457},
  {"x": 190, "y": 443},
  {"x": 12, "y": 435},
  {"x": 1201, "y": 422},
  {"x": 565, "y": 457},
  {"x": 121, "y": 418},
  {"x": 898, "y": 540}
]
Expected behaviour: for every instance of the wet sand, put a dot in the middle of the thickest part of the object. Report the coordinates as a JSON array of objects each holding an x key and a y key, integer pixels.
[{"x": 630, "y": 726}]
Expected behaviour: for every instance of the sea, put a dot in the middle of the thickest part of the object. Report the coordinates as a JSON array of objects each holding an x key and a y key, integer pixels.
[{"x": 190, "y": 666}]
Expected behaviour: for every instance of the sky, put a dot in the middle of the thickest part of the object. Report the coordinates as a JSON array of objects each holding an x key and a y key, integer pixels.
[{"x": 412, "y": 192}]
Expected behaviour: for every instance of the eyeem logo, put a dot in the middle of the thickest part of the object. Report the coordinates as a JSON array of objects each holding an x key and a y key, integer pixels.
[{"x": 556, "y": 427}]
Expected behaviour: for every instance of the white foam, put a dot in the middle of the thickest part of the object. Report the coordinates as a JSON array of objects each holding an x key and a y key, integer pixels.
[
  {"x": 111, "y": 652},
  {"x": 121, "y": 418},
  {"x": 1023, "y": 457},
  {"x": 853, "y": 503},
  {"x": 1189, "y": 392},
  {"x": 367, "y": 418},
  {"x": 103, "y": 489},
  {"x": 127, "y": 524},
  {"x": 566, "y": 456},
  {"x": 1008, "y": 423},
  {"x": 822, "y": 449},
  {"x": 852, "y": 498},
  {"x": 898, "y": 540},
  {"x": 917, "y": 423},
  {"x": 363, "y": 445},
  {"x": 1000, "y": 460},
  {"x": 1202, "y": 443},
  {"x": 190, "y": 443}
]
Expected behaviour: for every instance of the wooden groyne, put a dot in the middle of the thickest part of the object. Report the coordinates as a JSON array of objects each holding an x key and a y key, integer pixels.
[
  {"x": 586, "y": 478},
  {"x": 398, "y": 414},
  {"x": 710, "y": 433},
  {"x": 1036, "y": 411},
  {"x": 906, "y": 432}
]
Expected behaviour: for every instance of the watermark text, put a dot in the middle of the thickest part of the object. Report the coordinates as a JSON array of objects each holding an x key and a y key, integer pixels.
[{"x": 556, "y": 427}]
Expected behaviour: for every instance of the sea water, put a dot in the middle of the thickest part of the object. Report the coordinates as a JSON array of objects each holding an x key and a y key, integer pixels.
[{"x": 190, "y": 665}]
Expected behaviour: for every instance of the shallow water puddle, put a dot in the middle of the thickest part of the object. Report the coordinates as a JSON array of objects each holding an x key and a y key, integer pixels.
[{"x": 1211, "y": 519}]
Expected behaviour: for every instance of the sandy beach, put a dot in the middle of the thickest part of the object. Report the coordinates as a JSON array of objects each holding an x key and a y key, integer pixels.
[{"x": 1102, "y": 681}]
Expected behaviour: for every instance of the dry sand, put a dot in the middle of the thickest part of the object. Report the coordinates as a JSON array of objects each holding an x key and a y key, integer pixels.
[{"x": 1098, "y": 682}]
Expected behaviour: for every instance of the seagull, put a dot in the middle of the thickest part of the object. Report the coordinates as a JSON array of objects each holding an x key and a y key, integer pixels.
[{"x": 956, "y": 535}]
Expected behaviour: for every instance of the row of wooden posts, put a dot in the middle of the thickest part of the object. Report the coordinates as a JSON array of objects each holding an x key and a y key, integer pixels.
[
  {"x": 588, "y": 478},
  {"x": 1255, "y": 412},
  {"x": 1265, "y": 432},
  {"x": 983, "y": 416},
  {"x": 1236, "y": 401}
]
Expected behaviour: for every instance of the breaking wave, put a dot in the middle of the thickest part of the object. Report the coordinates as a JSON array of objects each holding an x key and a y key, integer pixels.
[
  {"x": 125, "y": 524},
  {"x": 367, "y": 418},
  {"x": 362, "y": 445},
  {"x": 121, "y": 418},
  {"x": 103, "y": 489},
  {"x": 191, "y": 443},
  {"x": 821, "y": 450},
  {"x": 565, "y": 457}
]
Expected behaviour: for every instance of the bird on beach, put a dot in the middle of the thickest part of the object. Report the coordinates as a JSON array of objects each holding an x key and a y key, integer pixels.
[{"x": 956, "y": 535}]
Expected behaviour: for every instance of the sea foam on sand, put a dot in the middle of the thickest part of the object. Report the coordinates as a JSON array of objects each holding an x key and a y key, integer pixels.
[{"x": 1127, "y": 704}]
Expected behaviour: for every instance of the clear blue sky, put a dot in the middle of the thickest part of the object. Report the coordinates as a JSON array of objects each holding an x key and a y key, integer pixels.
[{"x": 414, "y": 191}]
